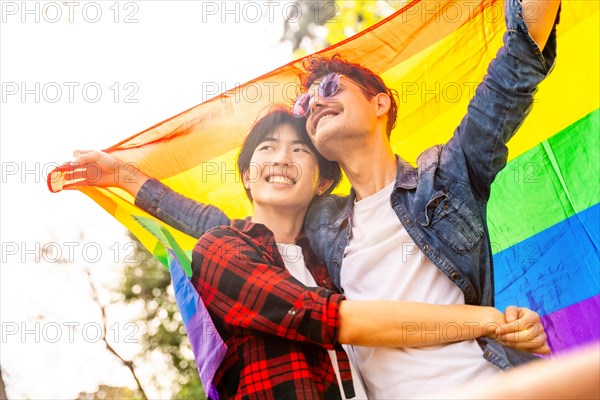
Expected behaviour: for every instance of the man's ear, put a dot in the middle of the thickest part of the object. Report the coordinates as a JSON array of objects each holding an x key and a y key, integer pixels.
[
  {"x": 383, "y": 103},
  {"x": 323, "y": 185}
]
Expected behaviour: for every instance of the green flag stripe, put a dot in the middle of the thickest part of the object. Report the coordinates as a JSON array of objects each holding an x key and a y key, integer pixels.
[{"x": 549, "y": 183}]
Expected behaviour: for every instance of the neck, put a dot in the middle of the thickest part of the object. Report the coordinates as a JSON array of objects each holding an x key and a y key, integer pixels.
[
  {"x": 285, "y": 224},
  {"x": 370, "y": 168}
]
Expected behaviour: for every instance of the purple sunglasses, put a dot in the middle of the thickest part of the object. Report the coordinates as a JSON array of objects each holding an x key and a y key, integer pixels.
[{"x": 328, "y": 86}]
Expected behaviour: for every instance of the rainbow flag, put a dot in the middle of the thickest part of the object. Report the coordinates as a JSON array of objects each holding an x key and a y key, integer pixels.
[
  {"x": 207, "y": 345},
  {"x": 543, "y": 214}
]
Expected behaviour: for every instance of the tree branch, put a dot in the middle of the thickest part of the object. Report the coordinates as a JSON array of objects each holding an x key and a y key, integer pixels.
[{"x": 128, "y": 364}]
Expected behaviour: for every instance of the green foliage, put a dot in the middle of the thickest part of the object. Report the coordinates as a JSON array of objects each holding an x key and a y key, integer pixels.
[
  {"x": 106, "y": 392},
  {"x": 356, "y": 16},
  {"x": 147, "y": 281},
  {"x": 323, "y": 23},
  {"x": 302, "y": 28}
]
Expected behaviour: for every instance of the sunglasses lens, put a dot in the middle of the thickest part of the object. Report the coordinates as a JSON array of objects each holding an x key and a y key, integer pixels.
[
  {"x": 300, "y": 107},
  {"x": 329, "y": 85}
]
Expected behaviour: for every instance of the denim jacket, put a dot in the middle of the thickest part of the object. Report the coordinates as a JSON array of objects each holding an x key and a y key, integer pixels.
[{"x": 442, "y": 202}]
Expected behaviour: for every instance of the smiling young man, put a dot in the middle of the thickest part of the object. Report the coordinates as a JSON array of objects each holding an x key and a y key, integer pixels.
[
  {"x": 405, "y": 233},
  {"x": 420, "y": 234}
]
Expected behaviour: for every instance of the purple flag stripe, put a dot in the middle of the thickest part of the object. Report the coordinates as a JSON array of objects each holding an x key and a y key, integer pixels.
[
  {"x": 573, "y": 326},
  {"x": 208, "y": 347}
]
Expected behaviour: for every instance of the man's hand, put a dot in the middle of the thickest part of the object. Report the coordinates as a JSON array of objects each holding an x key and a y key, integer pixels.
[{"x": 523, "y": 330}]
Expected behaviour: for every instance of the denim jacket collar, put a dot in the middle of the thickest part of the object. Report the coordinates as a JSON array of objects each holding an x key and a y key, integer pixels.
[
  {"x": 406, "y": 175},
  {"x": 406, "y": 178}
]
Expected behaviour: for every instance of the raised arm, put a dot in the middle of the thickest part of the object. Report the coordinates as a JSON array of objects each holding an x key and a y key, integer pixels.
[
  {"x": 100, "y": 169},
  {"x": 505, "y": 96}
]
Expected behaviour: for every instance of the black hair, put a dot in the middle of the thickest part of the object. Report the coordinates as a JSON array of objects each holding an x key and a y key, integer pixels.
[{"x": 280, "y": 115}]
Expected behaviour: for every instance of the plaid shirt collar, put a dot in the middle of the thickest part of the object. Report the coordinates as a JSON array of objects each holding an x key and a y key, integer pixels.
[{"x": 265, "y": 237}]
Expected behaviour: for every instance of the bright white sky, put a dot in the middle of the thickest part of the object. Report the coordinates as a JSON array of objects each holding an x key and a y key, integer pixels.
[{"x": 161, "y": 59}]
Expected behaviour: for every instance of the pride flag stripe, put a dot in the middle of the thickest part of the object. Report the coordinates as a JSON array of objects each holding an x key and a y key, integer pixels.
[
  {"x": 541, "y": 272},
  {"x": 574, "y": 324},
  {"x": 207, "y": 345},
  {"x": 550, "y": 182}
]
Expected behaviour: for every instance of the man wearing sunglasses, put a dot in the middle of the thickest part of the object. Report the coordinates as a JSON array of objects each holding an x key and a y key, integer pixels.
[
  {"x": 406, "y": 233},
  {"x": 420, "y": 234}
]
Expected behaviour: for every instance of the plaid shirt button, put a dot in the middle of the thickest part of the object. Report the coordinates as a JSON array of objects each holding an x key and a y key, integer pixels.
[{"x": 292, "y": 312}]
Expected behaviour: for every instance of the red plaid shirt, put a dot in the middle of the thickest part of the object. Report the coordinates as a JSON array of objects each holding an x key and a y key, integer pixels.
[{"x": 276, "y": 329}]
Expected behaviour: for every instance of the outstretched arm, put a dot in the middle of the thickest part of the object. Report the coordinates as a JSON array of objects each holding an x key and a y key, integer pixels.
[
  {"x": 410, "y": 324},
  {"x": 100, "y": 169},
  {"x": 231, "y": 275},
  {"x": 505, "y": 96}
]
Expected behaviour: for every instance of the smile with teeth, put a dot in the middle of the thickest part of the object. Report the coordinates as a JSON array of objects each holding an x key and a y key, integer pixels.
[
  {"x": 326, "y": 116},
  {"x": 280, "y": 179}
]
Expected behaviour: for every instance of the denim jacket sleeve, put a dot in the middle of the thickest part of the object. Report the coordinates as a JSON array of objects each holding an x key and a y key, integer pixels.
[
  {"x": 502, "y": 101},
  {"x": 182, "y": 213}
]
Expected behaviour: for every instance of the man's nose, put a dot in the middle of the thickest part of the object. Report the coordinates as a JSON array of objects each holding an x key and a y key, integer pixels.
[{"x": 316, "y": 101}]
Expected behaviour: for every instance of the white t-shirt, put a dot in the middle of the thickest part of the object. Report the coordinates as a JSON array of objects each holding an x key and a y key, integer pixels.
[
  {"x": 382, "y": 262},
  {"x": 293, "y": 259}
]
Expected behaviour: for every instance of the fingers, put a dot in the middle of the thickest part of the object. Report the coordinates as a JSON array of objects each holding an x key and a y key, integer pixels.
[
  {"x": 78, "y": 174},
  {"x": 89, "y": 168},
  {"x": 510, "y": 328},
  {"x": 532, "y": 336},
  {"x": 84, "y": 156},
  {"x": 81, "y": 177},
  {"x": 545, "y": 349},
  {"x": 511, "y": 314},
  {"x": 55, "y": 179},
  {"x": 83, "y": 171},
  {"x": 532, "y": 340},
  {"x": 518, "y": 319},
  {"x": 78, "y": 153},
  {"x": 523, "y": 330},
  {"x": 68, "y": 176}
]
